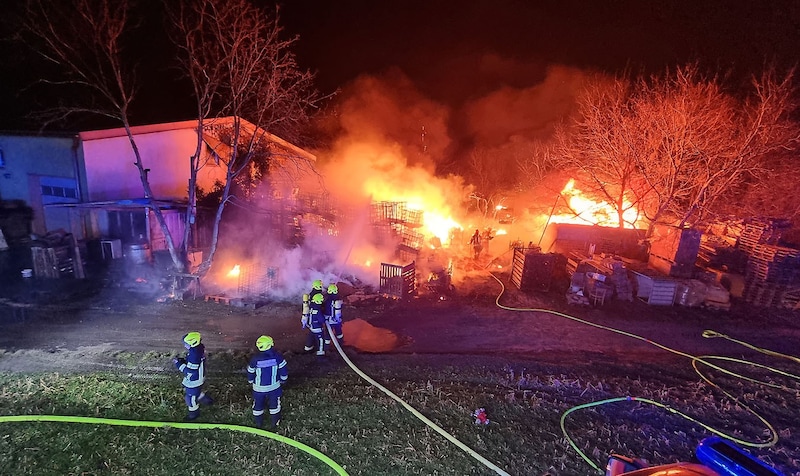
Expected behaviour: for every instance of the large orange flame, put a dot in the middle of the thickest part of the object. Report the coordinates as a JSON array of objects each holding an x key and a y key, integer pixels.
[{"x": 592, "y": 212}]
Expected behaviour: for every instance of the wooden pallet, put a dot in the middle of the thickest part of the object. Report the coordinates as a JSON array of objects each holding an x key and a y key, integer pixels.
[{"x": 219, "y": 299}]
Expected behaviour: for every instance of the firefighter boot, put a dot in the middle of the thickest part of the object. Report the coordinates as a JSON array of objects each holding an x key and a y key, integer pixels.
[
  {"x": 320, "y": 346},
  {"x": 276, "y": 420},
  {"x": 192, "y": 415},
  {"x": 310, "y": 340},
  {"x": 259, "y": 419}
]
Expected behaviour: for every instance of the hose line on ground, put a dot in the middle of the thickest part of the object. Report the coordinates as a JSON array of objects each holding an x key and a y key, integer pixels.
[
  {"x": 411, "y": 409},
  {"x": 705, "y": 360},
  {"x": 184, "y": 426}
]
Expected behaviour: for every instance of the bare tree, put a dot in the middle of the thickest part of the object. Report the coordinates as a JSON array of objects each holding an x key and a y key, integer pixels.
[
  {"x": 535, "y": 161},
  {"x": 489, "y": 174},
  {"x": 84, "y": 40},
  {"x": 243, "y": 69},
  {"x": 602, "y": 143},
  {"x": 677, "y": 145},
  {"x": 703, "y": 144}
]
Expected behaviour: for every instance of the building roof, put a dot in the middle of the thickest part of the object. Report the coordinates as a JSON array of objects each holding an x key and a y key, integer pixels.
[{"x": 192, "y": 124}]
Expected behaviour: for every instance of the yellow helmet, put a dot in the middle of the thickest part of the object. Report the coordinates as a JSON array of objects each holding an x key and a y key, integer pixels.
[
  {"x": 192, "y": 339},
  {"x": 264, "y": 343},
  {"x": 318, "y": 298},
  {"x": 317, "y": 284},
  {"x": 333, "y": 289}
]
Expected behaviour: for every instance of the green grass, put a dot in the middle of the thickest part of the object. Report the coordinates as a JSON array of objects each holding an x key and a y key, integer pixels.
[{"x": 329, "y": 408}]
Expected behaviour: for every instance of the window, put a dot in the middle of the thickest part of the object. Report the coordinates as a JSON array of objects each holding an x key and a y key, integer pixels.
[{"x": 60, "y": 192}]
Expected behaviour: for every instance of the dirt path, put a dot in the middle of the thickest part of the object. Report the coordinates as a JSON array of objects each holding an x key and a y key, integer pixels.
[{"x": 470, "y": 322}]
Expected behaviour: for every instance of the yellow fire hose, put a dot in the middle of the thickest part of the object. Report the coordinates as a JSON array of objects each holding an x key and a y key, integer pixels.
[
  {"x": 184, "y": 426},
  {"x": 413, "y": 411},
  {"x": 705, "y": 360}
]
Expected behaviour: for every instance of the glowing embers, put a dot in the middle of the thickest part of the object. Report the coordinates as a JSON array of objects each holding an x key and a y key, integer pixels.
[{"x": 585, "y": 211}]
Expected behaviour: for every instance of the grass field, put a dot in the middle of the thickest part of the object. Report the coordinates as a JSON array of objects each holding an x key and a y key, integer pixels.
[{"x": 329, "y": 408}]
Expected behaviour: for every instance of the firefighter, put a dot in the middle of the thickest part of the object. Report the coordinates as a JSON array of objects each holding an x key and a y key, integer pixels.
[
  {"x": 314, "y": 320},
  {"x": 475, "y": 241},
  {"x": 267, "y": 373},
  {"x": 193, "y": 368},
  {"x": 488, "y": 235},
  {"x": 316, "y": 288},
  {"x": 333, "y": 313}
]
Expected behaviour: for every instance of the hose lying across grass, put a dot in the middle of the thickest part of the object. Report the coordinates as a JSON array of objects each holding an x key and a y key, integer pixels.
[
  {"x": 411, "y": 409},
  {"x": 705, "y": 360},
  {"x": 184, "y": 426}
]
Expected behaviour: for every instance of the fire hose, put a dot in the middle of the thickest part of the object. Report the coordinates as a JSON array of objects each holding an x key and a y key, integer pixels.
[
  {"x": 705, "y": 360},
  {"x": 411, "y": 409},
  {"x": 185, "y": 426}
]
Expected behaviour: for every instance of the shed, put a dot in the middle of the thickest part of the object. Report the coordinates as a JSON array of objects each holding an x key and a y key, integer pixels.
[{"x": 654, "y": 288}]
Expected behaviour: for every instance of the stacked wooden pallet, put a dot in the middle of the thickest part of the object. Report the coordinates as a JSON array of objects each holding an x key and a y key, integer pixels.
[
  {"x": 774, "y": 264},
  {"x": 761, "y": 231},
  {"x": 534, "y": 271},
  {"x": 772, "y": 276},
  {"x": 766, "y": 294}
]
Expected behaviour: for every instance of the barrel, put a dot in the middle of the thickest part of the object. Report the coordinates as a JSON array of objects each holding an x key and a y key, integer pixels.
[{"x": 138, "y": 253}]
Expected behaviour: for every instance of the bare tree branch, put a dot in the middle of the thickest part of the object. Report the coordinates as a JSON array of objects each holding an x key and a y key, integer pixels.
[{"x": 241, "y": 67}]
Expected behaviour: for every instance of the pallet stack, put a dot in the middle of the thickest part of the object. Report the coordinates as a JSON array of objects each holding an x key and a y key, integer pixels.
[
  {"x": 534, "y": 271},
  {"x": 761, "y": 231},
  {"x": 772, "y": 275},
  {"x": 393, "y": 221}
]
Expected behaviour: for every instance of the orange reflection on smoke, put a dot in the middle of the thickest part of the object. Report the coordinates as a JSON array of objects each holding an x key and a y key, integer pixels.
[{"x": 591, "y": 212}]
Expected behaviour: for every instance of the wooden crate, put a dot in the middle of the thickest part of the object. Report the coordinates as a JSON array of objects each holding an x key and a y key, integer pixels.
[
  {"x": 398, "y": 280},
  {"x": 535, "y": 271}
]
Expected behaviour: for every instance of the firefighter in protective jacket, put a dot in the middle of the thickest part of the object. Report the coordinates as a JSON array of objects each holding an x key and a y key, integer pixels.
[
  {"x": 193, "y": 368},
  {"x": 314, "y": 320},
  {"x": 333, "y": 313},
  {"x": 267, "y": 373}
]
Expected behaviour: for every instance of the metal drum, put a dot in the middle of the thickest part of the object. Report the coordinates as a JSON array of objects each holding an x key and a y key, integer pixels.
[{"x": 138, "y": 253}]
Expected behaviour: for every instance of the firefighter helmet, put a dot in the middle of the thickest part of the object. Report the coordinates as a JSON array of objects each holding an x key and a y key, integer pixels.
[
  {"x": 333, "y": 289},
  {"x": 192, "y": 339},
  {"x": 264, "y": 343},
  {"x": 317, "y": 285},
  {"x": 318, "y": 298}
]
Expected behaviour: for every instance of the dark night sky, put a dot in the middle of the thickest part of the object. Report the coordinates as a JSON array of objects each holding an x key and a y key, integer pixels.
[
  {"x": 457, "y": 51},
  {"x": 433, "y": 42}
]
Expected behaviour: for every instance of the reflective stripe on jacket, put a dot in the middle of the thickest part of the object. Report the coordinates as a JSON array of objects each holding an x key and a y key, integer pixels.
[
  {"x": 194, "y": 369},
  {"x": 267, "y": 371}
]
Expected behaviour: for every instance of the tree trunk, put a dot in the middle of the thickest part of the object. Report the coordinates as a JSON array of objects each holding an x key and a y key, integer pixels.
[
  {"x": 208, "y": 260},
  {"x": 148, "y": 193},
  {"x": 194, "y": 165}
]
